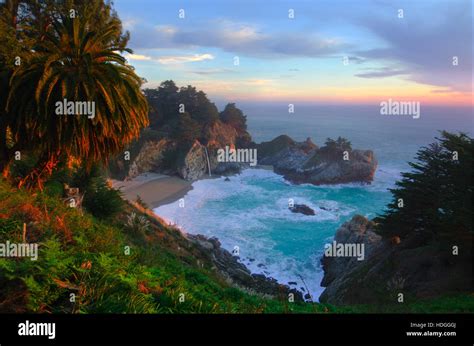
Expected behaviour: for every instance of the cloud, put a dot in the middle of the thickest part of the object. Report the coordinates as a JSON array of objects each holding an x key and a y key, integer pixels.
[
  {"x": 356, "y": 60},
  {"x": 137, "y": 57},
  {"x": 259, "y": 82},
  {"x": 166, "y": 60},
  {"x": 441, "y": 91},
  {"x": 213, "y": 71},
  {"x": 237, "y": 38},
  {"x": 381, "y": 73},
  {"x": 184, "y": 59},
  {"x": 423, "y": 44}
]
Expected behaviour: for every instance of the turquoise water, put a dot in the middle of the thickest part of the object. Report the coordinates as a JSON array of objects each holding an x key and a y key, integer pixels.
[{"x": 251, "y": 211}]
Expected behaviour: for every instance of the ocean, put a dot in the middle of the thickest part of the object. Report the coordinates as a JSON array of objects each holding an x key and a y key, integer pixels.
[{"x": 250, "y": 212}]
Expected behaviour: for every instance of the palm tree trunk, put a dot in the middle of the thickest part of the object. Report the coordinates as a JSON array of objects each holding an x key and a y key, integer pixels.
[{"x": 5, "y": 157}]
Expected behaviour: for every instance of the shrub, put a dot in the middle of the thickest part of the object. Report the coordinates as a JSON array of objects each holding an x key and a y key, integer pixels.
[
  {"x": 137, "y": 224},
  {"x": 103, "y": 202}
]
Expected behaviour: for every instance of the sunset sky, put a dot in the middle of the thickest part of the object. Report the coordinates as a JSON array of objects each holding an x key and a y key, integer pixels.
[{"x": 302, "y": 59}]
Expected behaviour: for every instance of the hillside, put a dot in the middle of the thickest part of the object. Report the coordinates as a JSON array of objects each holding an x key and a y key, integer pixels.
[{"x": 81, "y": 255}]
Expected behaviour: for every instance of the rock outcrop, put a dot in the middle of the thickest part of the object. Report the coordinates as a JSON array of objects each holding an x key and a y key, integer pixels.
[
  {"x": 302, "y": 209},
  {"x": 358, "y": 230},
  {"x": 195, "y": 163},
  {"x": 238, "y": 274},
  {"x": 154, "y": 153},
  {"x": 150, "y": 157},
  {"x": 304, "y": 162},
  {"x": 298, "y": 162},
  {"x": 409, "y": 266}
]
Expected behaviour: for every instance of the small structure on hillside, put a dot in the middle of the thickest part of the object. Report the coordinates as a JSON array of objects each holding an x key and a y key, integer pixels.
[{"x": 72, "y": 197}]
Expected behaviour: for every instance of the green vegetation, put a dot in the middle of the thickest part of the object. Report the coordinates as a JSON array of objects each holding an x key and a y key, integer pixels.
[
  {"x": 334, "y": 149},
  {"x": 434, "y": 200},
  {"x": 81, "y": 254},
  {"x": 274, "y": 146},
  {"x": 462, "y": 303},
  {"x": 186, "y": 114},
  {"x": 235, "y": 117},
  {"x": 183, "y": 113}
]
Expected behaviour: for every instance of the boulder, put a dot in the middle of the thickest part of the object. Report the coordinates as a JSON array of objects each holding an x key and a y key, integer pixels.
[{"x": 302, "y": 209}]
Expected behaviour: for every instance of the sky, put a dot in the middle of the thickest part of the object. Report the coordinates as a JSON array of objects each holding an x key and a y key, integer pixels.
[{"x": 323, "y": 51}]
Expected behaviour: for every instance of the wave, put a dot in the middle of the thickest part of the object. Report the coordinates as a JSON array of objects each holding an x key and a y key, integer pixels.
[{"x": 251, "y": 211}]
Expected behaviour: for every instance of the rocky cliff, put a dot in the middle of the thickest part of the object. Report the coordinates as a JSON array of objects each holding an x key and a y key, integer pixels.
[
  {"x": 165, "y": 155},
  {"x": 150, "y": 157},
  {"x": 391, "y": 266},
  {"x": 238, "y": 274},
  {"x": 298, "y": 162},
  {"x": 304, "y": 162}
]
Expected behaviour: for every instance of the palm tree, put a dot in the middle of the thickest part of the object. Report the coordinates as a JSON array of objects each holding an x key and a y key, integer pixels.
[{"x": 78, "y": 59}]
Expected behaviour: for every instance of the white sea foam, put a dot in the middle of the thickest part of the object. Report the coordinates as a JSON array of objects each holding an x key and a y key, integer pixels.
[{"x": 251, "y": 211}]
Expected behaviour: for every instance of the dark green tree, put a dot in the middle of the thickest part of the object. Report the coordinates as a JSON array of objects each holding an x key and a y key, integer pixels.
[
  {"x": 164, "y": 105},
  {"x": 198, "y": 106},
  {"x": 434, "y": 200},
  {"x": 334, "y": 149},
  {"x": 235, "y": 117},
  {"x": 187, "y": 131}
]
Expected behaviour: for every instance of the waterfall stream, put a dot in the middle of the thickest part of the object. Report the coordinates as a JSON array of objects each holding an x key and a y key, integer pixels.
[{"x": 208, "y": 162}]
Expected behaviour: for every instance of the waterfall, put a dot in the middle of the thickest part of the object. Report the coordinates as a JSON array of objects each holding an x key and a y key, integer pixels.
[{"x": 208, "y": 162}]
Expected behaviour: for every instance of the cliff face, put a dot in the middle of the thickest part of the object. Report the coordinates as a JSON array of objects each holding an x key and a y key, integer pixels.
[
  {"x": 195, "y": 163},
  {"x": 359, "y": 230},
  {"x": 298, "y": 162},
  {"x": 220, "y": 135},
  {"x": 411, "y": 267},
  {"x": 150, "y": 157},
  {"x": 304, "y": 162},
  {"x": 165, "y": 156}
]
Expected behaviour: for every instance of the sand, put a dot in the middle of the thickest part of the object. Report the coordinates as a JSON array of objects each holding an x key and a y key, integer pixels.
[{"x": 154, "y": 189}]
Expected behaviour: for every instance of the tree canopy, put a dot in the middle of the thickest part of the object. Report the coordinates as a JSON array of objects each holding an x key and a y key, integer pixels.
[
  {"x": 233, "y": 116},
  {"x": 72, "y": 52},
  {"x": 186, "y": 113},
  {"x": 334, "y": 149},
  {"x": 434, "y": 200}
]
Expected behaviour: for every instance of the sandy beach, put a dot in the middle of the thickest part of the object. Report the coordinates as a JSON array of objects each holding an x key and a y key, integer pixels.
[{"x": 154, "y": 189}]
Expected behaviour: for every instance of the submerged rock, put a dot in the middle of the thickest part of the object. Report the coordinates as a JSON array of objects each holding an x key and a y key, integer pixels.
[{"x": 302, "y": 209}]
